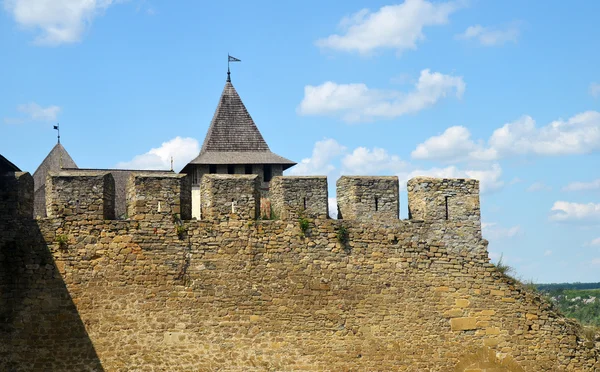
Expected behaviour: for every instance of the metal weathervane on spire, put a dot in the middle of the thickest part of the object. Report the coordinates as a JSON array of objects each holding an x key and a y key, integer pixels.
[
  {"x": 230, "y": 59},
  {"x": 58, "y": 129}
]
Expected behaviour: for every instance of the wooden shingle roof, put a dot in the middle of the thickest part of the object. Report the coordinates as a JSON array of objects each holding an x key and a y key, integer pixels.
[{"x": 233, "y": 138}]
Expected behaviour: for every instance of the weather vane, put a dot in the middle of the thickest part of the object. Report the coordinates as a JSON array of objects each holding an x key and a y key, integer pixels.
[
  {"x": 58, "y": 129},
  {"x": 230, "y": 59}
]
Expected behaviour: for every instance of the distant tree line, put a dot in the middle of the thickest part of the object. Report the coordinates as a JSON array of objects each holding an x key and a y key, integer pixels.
[{"x": 558, "y": 286}]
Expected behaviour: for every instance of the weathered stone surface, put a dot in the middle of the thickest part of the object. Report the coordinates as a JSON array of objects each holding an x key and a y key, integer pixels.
[
  {"x": 160, "y": 195},
  {"x": 80, "y": 195},
  {"x": 245, "y": 295},
  {"x": 367, "y": 198},
  {"x": 225, "y": 197},
  {"x": 16, "y": 194},
  {"x": 292, "y": 197},
  {"x": 454, "y": 199}
]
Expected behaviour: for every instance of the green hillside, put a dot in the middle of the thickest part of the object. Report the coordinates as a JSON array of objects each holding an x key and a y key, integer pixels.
[{"x": 576, "y": 300}]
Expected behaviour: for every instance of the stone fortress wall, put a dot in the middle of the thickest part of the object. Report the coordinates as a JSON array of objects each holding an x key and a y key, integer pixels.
[{"x": 80, "y": 291}]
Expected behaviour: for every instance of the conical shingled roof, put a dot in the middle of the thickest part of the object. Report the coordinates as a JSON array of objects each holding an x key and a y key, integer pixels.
[
  {"x": 233, "y": 138},
  {"x": 57, "y": 159}
]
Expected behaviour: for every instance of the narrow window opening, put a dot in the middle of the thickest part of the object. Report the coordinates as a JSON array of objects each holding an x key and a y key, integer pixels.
[
  {"x": 248, "y": 169},
  {"x": 447, "y": 206},
  {"x": 231, "y": 169},
  {"x": 376, "y": 204},
  {"x": 212, "y": 169},
  {"x": 268, "y": 173},
  {"x": 304, "y": 203},
  {"x": 232, "y": 205}
]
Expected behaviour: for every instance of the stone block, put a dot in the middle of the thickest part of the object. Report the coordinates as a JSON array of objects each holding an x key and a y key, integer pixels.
[
  {"x": 367, "y": 198},
  {"x": 454, "y": 199},
  {"x": 292, "y": 197},
  {"x": 229, "y": 196},
  {"x": 463, "y": 324},
  {"x": 16, "y": 194},
  {"x": 83, "y": 194},
  {"x": 159, "y": 196}
]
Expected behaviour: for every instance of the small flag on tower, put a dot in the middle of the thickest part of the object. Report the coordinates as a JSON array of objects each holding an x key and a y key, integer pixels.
[
  {"x": 233, "y": 59},
  {"x": 58, "y": 129}
]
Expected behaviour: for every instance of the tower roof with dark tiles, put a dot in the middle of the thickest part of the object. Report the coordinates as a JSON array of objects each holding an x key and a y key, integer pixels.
[{"x": 233, "y": 137}]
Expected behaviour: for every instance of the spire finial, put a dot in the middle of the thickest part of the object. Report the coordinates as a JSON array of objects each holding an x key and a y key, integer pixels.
[
  {"x": 58, "y": 129},
  {"x": 230, "y": 59}
]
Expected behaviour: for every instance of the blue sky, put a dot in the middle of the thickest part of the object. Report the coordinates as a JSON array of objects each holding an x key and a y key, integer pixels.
[{"x": 507, "y": 92}]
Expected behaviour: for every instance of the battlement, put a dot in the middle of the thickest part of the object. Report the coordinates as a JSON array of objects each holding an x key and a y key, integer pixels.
[
  {"x": 156, "y": 196},
  {"x": 16, "y": 194},
  {"x": 453, "y": 199}
]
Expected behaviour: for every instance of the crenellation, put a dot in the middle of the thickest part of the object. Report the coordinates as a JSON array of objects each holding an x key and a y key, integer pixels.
[
  {"x": 453, "y": 199},
  {"x": 158, "y": 196},
  {"x": 88, "y": 194},
  {"x": 367, "y": 198},
  {"x": 227, "y": 196},
  {"x": 305, "y": 196},
  {"x": 16, "y": 194}
]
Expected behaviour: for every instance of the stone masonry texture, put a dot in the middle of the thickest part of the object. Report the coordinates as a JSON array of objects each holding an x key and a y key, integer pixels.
[
  {"x": 292, "y": 197},
  {"x": 84, "y": 194},
  {"x": 367, "y": 198},
  {"x": 447, "y": 198},
  {"x": 225, "y": 197},
  {"x": 158, "y": 196},
  {"x": 251, "y": 295}
]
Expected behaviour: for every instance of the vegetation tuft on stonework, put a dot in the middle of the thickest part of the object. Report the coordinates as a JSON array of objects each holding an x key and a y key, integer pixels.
[
  {"x": 504, "y": 268},
  {"x": 304, "y": 224},
  {"x": 62, "y": 240}
]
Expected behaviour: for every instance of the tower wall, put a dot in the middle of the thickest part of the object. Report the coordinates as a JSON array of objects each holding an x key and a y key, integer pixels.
[
  {"x": 16, "y": 194},
  {"x": 159, "y": 196},
  {"x": 292, "y": 197},
  {"x": 85, "y": 194},
  {"x": 453, "y": 199},
  {"x": 228, "y": 196},
  {"x": 366, "y": 198}
]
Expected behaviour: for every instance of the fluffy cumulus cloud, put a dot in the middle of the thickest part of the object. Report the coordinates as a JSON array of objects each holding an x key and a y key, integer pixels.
[
  {"x": 34, "y": 112},
  {"x": 490, "y": 36},
  {"x": 583, "y": 186},
  {"x": 182, "y": 150},
  {"x": 579, "y": 134},
  {"x": 593, "y": 243},
  {"x": 563, "y": 211},
  {"x": 324, "y": 152},
  {"x": 357, "y": 102},
  {"x": 332, "y": 205},
  {"x": 398, "y": 27},
  {"x": 492, "y": 230},
  {"x": 363, "y": 161},
  {"x": 57, "y": 21}
]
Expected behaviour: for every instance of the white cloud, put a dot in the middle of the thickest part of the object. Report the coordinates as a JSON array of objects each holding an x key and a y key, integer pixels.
[
  {"x": 596, "y": 261},
  {"x": 320, "y": 161},
  {"x": 397, "y": 27},
  {"x": 357, "y": 102},
  {"x": 332, "y": 205},
  {"x": 489, "y": 179},
  {"x": 595, "y": 90},
  {"x": 34, "y": 112},
  {"x": 363, "y": 161},
  {"x": 593, "y": 242},
  {"x": 579, "y": 134},
  {"x": 567, "y": 212},
  {"x": 58, "y": 21},
  {"x": 538, "y": 186},
  {"x": 490, "y": 36},
  {"x": 548, "y": 252},
  {"x": 181, "y": 149},
  {"x": 515, "y": 180},
  {"x": 453, "y": 145},
  {"x": 583, "y": 186},
  {"x": 493, "y": 231}
]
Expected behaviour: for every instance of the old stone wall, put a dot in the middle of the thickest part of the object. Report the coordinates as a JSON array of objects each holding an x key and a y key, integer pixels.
[
  {"x": 84, "y": 194},
  {"x": 225, "y": 196},
  {"x": 452, "y": 199},
  {"x": 305, "y": 196},
  {"x": 344, "y": 295},
  {"x": 16, "y": 194},
  {"x": 367, "y": 198},
  {"x": 159, "y": 196}
]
